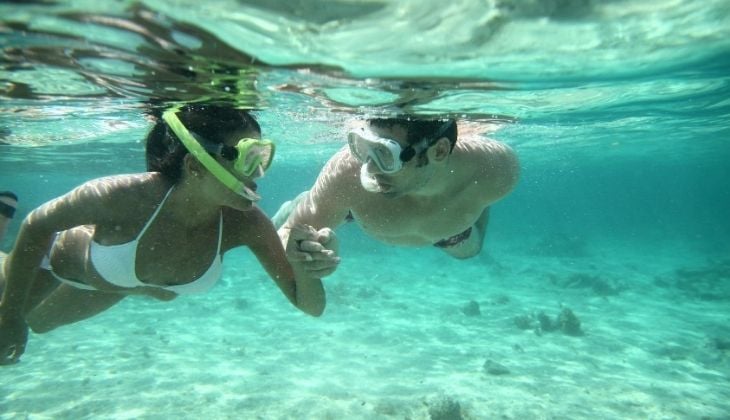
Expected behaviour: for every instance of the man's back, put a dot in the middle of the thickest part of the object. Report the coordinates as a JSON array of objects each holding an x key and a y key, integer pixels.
[{"x": 447, "y": 201}]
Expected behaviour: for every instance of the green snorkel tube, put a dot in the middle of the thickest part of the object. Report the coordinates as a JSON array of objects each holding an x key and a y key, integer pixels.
[{"x": 195, "y": 149}]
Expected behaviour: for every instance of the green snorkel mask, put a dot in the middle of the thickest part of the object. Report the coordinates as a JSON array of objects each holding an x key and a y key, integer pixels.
[{"x": 250, "y": 157}]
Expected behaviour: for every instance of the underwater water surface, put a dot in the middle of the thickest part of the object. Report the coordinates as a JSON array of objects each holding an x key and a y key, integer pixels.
[{"x": 617, "y": 110}]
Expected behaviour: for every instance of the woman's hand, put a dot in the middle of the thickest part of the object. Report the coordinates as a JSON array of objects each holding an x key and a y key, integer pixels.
[
  {"x": 314, "y": 251},
  {"x": 13, "y": 338}
]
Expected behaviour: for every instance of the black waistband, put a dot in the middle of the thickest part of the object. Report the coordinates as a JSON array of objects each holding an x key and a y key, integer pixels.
[
  {"x": 459, "y": 237},
  {"x": 9, "y": 195},
  {"x": 7, "y": 210}
]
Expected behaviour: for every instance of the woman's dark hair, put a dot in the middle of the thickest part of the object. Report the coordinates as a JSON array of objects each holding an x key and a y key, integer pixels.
[{"x": 214, "y": 123}]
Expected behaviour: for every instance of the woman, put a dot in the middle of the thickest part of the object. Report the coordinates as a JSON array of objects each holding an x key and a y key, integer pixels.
[{"x": 160, "y": 233}]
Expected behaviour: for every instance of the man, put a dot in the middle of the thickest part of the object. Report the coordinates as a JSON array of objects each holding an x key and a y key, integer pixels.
[{"x": 405, "y": 182}]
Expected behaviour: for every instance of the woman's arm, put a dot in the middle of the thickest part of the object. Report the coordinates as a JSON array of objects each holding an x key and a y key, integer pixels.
[
  {"x": 95, "y": 202},
  {"x": 301, "y": 288},
  {"x": 81, "y": 206}
]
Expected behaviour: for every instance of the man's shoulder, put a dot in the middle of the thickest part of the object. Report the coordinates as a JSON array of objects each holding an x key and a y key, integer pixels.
[
  {"x": 482, "y": 146},
  {"x": 341, "y": 169},
  {"x": 342, "y": 162},
  {"x": 489, "y": 161}
]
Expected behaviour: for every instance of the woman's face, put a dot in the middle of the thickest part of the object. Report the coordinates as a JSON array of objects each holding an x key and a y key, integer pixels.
[{"x": 235, "y": 200}]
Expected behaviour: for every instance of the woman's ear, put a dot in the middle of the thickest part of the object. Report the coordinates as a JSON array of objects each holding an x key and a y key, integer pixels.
[
  {"x": 191, "y": 165},
  {"x": 440, "y": 150}
]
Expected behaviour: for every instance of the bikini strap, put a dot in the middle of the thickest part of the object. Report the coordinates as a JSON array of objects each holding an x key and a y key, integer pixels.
[
  {"x": 154, "y": 215},
  {"x": 220, "y": 234}
]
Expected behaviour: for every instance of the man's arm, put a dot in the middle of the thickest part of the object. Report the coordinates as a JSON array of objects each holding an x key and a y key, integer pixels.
[
  {"x": 323, "y": 208},
  {"x": 327, "y": 203}
]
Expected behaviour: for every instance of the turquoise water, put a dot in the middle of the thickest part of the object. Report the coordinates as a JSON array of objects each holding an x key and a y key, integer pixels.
[{"x": 620, "y": 116}]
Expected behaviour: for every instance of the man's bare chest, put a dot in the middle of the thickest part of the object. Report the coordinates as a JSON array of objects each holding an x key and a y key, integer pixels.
[{"x": 410, "y": 222}]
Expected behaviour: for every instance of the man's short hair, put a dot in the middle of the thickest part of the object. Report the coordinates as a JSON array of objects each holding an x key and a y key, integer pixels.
[{"x": 418, "y": 128}]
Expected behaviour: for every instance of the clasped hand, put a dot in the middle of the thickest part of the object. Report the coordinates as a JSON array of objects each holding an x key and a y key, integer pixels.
[
  {"x": 314, "y": 251},
  {"x": 13, "y": 338}
]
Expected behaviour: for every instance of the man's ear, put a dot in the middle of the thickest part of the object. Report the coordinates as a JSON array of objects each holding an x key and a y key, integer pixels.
[{"x": 440, "y": 150}]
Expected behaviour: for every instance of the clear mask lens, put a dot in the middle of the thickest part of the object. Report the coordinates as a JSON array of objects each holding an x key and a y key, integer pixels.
[
  {"x": 384, "y": 158},
  {"x": 384, "y": 152}
]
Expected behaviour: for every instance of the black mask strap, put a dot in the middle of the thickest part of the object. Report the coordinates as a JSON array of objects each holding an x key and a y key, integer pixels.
[
  {"x": 409, "y": 152},
  {"x": 7, "y": 210}
]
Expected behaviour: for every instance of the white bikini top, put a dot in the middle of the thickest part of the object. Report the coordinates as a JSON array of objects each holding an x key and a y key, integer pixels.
[{"x": 117, "y": 263}]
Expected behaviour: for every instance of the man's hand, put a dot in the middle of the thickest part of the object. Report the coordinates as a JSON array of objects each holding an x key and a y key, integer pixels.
[
  {"x": 13, "y": 338},
  {"x": 313, "y": 251}
]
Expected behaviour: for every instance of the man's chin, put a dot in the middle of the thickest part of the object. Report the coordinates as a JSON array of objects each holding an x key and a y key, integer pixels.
[
  {"x": 388, "y": 191},
  {"x": 377, "y": 188},
  {"x": 371, "y": 183},
  {"x": 391, "y": 194}
]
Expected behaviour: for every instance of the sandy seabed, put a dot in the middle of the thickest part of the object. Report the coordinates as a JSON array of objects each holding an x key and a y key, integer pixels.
[{"x": 408, "y": 334}]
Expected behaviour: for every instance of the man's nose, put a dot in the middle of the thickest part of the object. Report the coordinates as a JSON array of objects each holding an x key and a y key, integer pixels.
[{"x": 372, "y": 167}]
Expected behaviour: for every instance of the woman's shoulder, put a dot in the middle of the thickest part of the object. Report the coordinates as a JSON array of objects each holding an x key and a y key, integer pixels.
[
  {"x": 123, "y": 181},
  {"x": 97, "y": 200},
  {"x": 115, "y": 192},
  {"x": 245, "y": 218},
  {"x": 244, "y": 227},
  {"x": 133, "y": 185}
]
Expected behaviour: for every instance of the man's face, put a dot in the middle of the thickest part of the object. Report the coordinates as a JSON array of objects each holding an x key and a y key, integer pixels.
[{"x": 408, "y": 179}]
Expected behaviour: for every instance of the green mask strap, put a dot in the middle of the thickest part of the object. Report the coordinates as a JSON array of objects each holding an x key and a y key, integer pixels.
[{"x": 204, "y": 158}]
